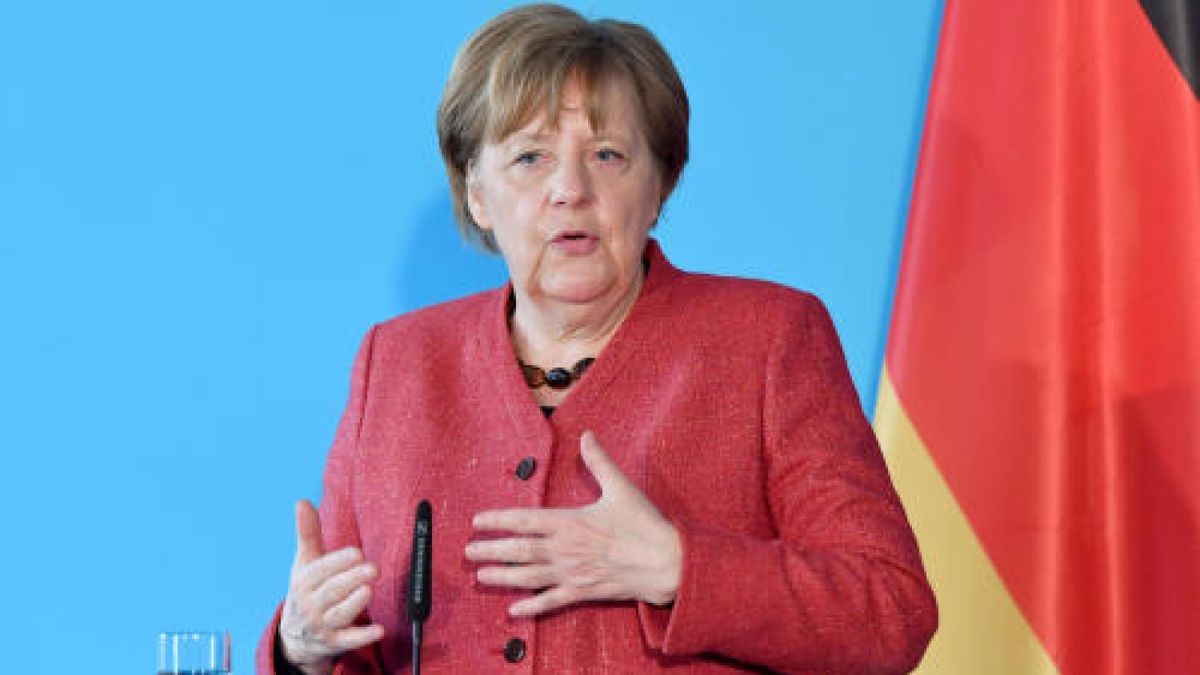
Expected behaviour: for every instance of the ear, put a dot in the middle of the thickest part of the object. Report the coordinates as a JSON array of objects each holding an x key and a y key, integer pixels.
[{"x": 475, "y": 197}]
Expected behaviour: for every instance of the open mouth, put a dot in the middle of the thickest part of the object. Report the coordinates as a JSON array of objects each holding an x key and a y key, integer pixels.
[
  {"x": 572, "y": 236},
  {"x": 575, "y": 242}
]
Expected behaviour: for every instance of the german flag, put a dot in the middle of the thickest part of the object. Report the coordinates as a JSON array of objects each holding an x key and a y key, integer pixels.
[{"x": 1040, "y": 402}]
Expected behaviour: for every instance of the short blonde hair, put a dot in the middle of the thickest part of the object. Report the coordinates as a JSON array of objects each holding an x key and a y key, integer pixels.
[{"x": 517, "y": 66}]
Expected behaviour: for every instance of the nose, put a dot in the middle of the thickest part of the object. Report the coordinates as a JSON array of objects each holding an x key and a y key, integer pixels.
[{"x": 570, "y": 184}]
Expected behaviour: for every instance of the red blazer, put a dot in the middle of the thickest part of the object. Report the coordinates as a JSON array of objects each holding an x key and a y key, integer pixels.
[{"x": 728, "y": 401}]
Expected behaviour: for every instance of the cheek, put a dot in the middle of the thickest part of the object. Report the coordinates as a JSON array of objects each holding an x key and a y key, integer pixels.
[
  {"x": 515, "y": 229},
  {"x": 644, "y": 195},
  {"x": 640, "y": 207},
  {"x": 512, "y": 205}
]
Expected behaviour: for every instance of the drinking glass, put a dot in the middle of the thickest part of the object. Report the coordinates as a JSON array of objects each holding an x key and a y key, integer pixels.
[{"x": 193, "y": 653}]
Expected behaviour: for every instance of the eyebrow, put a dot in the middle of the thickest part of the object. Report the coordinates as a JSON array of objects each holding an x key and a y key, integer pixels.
[{"x": 519, "y": 137}]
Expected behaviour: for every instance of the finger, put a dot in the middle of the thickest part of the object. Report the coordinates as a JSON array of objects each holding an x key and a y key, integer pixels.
[
  {"x": 525, "y": 576},
  {"x": 338, "y": 587},
  {"x": 546, "y": 601},
  {"x": 310, "y": 577},
  {"x": 513, "y": 550},
  {"x": 356, "y": 636},
  {"x": 519, "y": 521},
  {"x": 309, "y": 546},
  {"x": 600, "y": 465},
  {"x": 343, "y": 613}
]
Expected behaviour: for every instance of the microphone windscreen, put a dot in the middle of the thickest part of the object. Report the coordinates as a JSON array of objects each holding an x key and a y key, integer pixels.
[{"x": 421, "y": 572}]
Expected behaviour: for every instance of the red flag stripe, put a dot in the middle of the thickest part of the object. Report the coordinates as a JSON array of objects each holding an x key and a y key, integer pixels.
[{"x": 1046, "y": 336}]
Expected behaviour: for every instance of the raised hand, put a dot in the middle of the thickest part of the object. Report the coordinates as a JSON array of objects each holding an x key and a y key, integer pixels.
[
  {"x": 326, "y": 594},
  {"x": 617, "y": 548}
]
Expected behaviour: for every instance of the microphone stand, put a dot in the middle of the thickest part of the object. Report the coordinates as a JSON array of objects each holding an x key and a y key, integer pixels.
[{"x": 416, "y": 642}]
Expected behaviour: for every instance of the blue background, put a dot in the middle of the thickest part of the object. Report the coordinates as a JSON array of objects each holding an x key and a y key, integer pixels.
[{"x": 203, "y": 205}]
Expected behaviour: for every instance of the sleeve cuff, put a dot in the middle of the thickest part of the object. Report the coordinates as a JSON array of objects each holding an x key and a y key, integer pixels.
[
  {"x": 265, "y": 656},
  {"x": 714, "y": 601},
  {"x": 657, "y": 620}
]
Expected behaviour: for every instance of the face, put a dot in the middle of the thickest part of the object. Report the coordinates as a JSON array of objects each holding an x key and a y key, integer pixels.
[{"x": 570, "y": 207}]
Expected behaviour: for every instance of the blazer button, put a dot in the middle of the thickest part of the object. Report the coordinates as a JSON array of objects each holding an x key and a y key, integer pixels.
[
  {"x": 526, "y": 467},
  {"x": 514, "y": 650}
]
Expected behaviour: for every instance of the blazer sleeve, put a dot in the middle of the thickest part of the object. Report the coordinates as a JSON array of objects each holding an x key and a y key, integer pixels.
[
  {"x": 338, "y": 526},
  {"x": 841, "y": 588}
]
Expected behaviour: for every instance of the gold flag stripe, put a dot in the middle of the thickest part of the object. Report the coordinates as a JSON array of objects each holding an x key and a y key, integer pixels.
[{"x": 981, "y": 630}]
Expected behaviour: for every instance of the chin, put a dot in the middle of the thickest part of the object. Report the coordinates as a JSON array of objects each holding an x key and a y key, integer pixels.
[{"x": 579, "y": 289}]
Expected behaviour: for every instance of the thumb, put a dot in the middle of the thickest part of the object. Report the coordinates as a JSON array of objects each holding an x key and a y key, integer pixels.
[
  {"x": 600, "y": 465},
  {"x": 309, "y": 546}
]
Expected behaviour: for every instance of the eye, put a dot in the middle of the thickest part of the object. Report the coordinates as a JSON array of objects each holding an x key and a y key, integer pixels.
[
  {"x": 609, "y": 155},
  {"x": 527, "y": 158}
]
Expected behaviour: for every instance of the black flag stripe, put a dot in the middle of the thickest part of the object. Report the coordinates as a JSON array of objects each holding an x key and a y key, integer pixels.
[{"x": 1178, "y": 25}]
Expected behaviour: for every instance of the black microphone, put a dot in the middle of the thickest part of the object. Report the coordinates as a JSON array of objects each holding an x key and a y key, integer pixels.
[{"x": 420, "y": 578}]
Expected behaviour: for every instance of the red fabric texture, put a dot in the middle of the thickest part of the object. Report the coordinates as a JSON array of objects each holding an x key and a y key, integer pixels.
[
  {"x": 1044, "y": 341},
  {"x": 728, "y": 401}
]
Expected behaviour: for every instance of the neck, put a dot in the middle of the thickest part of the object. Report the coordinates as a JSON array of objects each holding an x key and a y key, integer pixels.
[{"x": 550, "y": 334}]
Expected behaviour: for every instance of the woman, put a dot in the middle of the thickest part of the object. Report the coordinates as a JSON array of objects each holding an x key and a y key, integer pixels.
[{"x": 632, "y": 468}]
